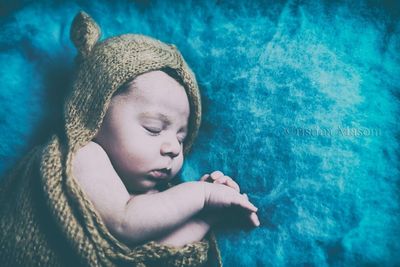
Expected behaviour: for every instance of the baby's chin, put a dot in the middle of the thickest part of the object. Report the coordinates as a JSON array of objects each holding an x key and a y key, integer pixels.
[{"x": 148, "y": 187}]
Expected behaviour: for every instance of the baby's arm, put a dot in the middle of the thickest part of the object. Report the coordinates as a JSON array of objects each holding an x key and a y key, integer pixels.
[
  {"x": 193, "y": 230},
  {"x": 142, "y": 217},
  {"x": 197, "y": 227},
  {"x": 146, "y": 217}
]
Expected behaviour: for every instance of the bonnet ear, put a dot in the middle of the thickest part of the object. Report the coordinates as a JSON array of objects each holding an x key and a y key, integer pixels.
[{"x": 84, "y": 33}]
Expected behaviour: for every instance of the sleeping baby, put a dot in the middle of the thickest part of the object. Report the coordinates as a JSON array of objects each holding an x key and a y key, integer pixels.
[{"x": 103, "y": 192}]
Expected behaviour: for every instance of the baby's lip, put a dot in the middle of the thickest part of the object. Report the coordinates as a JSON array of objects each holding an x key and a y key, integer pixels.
[{"x": 160, "y": 173}]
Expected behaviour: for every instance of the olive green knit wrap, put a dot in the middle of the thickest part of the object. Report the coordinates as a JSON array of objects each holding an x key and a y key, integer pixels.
[{"x": 45, "y": 218}]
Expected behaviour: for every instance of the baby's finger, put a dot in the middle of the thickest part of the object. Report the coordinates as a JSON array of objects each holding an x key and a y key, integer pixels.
[
  {"x": 204, "y": 177},
  {"x": 244, "y": 203},
  {"x": 228, "y": 181},
  {"x": 254, "y": 219},
  {"x": 221, "y": 180},
  {"x": 233, "y": 184},
  {"x": 216, "y": 174},
  {"x": 253, "y": 216}
]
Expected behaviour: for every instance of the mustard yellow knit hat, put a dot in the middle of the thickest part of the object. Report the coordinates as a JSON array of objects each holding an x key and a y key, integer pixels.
[{"x": 104, "y": 66}]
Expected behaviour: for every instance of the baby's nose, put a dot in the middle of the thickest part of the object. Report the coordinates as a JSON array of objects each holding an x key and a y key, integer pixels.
[{"x": 171, "y": 148}]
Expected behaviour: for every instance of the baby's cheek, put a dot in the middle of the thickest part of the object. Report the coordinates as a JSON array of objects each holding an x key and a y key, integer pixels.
[{"x": 178, "y": 163}]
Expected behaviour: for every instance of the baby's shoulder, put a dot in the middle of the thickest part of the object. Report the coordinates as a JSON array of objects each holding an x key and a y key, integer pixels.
[
  {"x": 89, "y": 156},
  {"x": 92, "y": 148},
  {"x": 92, "y": 162},
  {"x": 93, "y": 171}
]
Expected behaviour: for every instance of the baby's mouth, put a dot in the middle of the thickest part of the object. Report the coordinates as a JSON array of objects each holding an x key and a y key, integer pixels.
[{"x": 160, "y": 174}]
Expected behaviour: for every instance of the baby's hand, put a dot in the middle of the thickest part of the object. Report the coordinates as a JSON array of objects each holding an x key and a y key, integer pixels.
[
  {"x": 221, "y": 196},
  {"x": 218, "y": 177}
]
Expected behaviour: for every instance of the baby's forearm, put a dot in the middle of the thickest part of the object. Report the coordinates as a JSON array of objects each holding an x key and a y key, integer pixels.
[
  {"x": 151, "y": 216},
  {"x": 192, "y": 231}
]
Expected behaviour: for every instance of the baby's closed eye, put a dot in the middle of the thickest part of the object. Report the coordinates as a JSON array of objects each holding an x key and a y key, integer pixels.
[
  {"x": 156, "y": 130},
  {"x": 153, "y": 130}
]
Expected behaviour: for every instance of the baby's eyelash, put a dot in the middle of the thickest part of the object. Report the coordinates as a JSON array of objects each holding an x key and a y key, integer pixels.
[
  {"x": 153, "y": 131},
  {"x": 157, "y": 131}
]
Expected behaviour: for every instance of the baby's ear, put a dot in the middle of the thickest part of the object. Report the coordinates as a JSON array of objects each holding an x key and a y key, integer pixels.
[{"x": 84, "y": 33}]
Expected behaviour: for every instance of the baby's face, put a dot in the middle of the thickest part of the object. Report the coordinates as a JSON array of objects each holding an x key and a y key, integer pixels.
[{"x": 144, "y": 129}]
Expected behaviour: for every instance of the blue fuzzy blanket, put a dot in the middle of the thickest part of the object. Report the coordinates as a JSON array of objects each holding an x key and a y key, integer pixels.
[{"x": 301, "y": 107}]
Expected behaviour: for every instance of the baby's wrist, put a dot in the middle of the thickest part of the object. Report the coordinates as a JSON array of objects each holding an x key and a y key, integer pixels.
[{"x": 205, "y": 192}]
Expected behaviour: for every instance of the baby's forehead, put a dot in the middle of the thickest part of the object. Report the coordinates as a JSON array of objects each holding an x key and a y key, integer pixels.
[
  {"x": 160, "y": 96},
  {"x": 151, "y": 83},
  {"x": 160, "y": 90}
]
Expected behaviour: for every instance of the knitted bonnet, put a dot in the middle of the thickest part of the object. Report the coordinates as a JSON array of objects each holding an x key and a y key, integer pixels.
[{"x": 104, "y": 66}]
